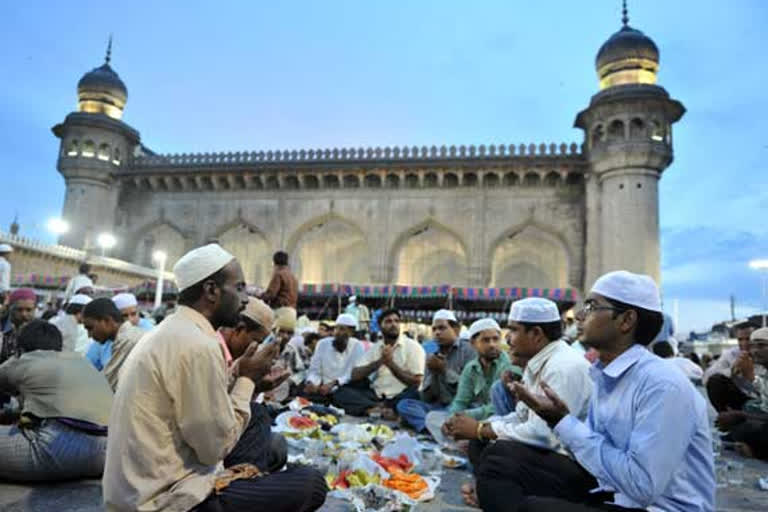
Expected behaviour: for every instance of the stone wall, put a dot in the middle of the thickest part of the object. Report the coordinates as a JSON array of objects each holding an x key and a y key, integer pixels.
[{"x": 33, "y": 257}]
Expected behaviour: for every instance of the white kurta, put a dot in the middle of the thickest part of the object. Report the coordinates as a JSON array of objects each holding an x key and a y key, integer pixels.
[{"x": 564, "y": 370}]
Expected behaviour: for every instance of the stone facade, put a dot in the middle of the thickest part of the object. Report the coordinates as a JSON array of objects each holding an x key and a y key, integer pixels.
[{"x": 542, "y": 215}]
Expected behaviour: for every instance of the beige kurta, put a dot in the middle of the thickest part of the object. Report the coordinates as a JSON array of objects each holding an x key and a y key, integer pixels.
[
  {"x": 127, "y": 337},
  {"x": 173, "y": 421}
]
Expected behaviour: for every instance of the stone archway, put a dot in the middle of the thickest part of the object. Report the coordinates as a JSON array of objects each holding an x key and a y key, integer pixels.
[
  {"x": 251, "y": 249},
  {"x": 529, "y": 257},
  {"x": 161, "y": 237},
  {"x": 430, "y": 254},
  {"x": 330, "y": 250}
]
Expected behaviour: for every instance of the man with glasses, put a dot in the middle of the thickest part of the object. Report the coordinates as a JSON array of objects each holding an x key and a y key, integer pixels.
[
  {"x": 750, "y": 426},
  {"x": 645, "y": 444}
]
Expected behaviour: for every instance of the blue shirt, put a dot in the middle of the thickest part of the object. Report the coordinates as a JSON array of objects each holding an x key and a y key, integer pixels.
[
  {"x": 99, "y": 354},
  {"x": 646, "y": 437},
  {"x": 146, "y": 324}
]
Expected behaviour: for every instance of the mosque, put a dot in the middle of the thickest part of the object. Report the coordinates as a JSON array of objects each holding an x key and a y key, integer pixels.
[{"x": 529, "y": 215}]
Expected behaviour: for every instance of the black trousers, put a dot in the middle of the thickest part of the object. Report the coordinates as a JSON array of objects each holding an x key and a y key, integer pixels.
[
  {"x": 755, "y": 434},
  {"x": 258, "y": 445},
  {"x": 509, "y": 472},
  {"x": 538, "y": 504},
  {"x": 724, "y": 394},
  {"x": 295, "y": 489},
  {"x": 357, "y": 397}
]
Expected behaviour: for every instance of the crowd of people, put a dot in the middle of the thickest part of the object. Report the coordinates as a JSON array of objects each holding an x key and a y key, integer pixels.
[{"x": 593, "y": 411}]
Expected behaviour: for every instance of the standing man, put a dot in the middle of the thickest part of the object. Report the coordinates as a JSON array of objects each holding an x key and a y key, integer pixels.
[
  {"x": 5, "y": 272},
  {"x": 81, "y": 283},
  {"x": 333, "y": 360},
  {"x": 443, "y": 371},
  {"x": 283, "y": 289},
  {"x": 175, "y": 419},
  {"x": 645, "y": 444},
  {"x": 105, "y": 323},
  {"x": 74, "y": 335},
  {"x": 354, "y": 310},
  {"x": 129, "y": 307},
  {"x": 387, "y": 373}
]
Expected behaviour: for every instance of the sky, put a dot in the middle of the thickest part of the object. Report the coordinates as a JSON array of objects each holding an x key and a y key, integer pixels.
[{"x": 248, "y": 75}]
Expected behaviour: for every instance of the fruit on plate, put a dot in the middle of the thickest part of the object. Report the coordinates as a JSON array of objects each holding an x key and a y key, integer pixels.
[
  {"x": 302, "y": 402},
  {"x": 348, "y": 478},
  {"x": 452, "y": 462},
  {"x": 400, "y": 464},
  {"x": 301, "y": 422},
  {"x": 408, "y": 483}
]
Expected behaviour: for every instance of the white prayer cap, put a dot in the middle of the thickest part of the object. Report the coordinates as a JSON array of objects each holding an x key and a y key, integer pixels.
[
  {"x": 759, "y": 334},
  {"x": 443, "y": 314},
  {"x": 481, "y": 325},
  {"x": 352, "y": 298},
  {"x": 305, "y": 330},
  {"x": 634, "y": 289},
  {"x": 200, "y": 263},
  {"x": 258, "y": 311},
  {"x": 80, "y": 299},
  {"x": 534, "y": 310},
  {"x": 5, "y": 248},
  {"x": 346, "y": 319},
  {"x": 125, "y": 300}
]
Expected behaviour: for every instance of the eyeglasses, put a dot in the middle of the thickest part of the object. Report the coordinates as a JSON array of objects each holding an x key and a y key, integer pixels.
[{"x": 589, "y": 307}]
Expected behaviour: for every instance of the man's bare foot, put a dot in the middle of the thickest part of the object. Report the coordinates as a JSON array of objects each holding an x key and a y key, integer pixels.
[{"x": 469, "y": 494}]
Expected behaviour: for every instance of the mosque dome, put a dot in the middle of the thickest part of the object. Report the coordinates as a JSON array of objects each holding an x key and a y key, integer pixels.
[
  {"x": 627, "y": 57},
  {"x": 100, "y": 91}
]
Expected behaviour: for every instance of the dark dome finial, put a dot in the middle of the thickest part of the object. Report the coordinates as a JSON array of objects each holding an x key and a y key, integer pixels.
[
  {"x": 109, "y": 50},
  {"x": 624, "y": 13}
]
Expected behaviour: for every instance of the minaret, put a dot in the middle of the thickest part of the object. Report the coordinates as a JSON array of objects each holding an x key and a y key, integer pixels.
[
  {"x": 628, "y": 140},
  {"x": 95, "y": 144}
]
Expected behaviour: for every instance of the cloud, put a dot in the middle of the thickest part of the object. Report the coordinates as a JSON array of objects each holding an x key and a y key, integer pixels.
[{"x": 703, "y": 266}]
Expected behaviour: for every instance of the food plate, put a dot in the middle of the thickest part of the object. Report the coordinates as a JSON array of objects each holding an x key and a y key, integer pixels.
[
  {"x": 291, "y": 422},
  {"x": 453, "y": 462}
]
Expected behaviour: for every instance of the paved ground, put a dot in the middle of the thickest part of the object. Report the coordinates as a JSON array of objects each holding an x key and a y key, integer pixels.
[{"x": 85, "y": 495}]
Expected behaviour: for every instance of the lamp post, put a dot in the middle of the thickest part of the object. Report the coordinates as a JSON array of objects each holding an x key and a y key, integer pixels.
[
  {"x": 57, "y": 226},
  {"x": 762, "y": 266},
  {"x": 106, "y": 241},
  {"x": 159, "y": 257}
]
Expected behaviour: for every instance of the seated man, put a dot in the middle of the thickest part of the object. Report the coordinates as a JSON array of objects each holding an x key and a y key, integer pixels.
[
  {"x": 388, "y": 372},
  {"x": 21, "y": 310},
  {"x": 289, "y": 360},
  {"x": 535, "y": 329},
  {"x": 750, "y": 426},
  {"x": 502, "y": 398},
  {"x": 175, "y": 420},
  {"x": 104, "y": 323},
  {"x": 129, "y": 307},
  {"x": 61, "y": 434},
  {"x": 333, "y": 361},
  {"x": 646, "y": 442},
  {"x": 443, "y": 370},
  {"x": 664, "y": 350},
  {"x": 724, "y": 379},
  {"x": 74, "y": 336},
  {"x": 473, "y": 396},
  {"x": 252, "y": 327}
]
